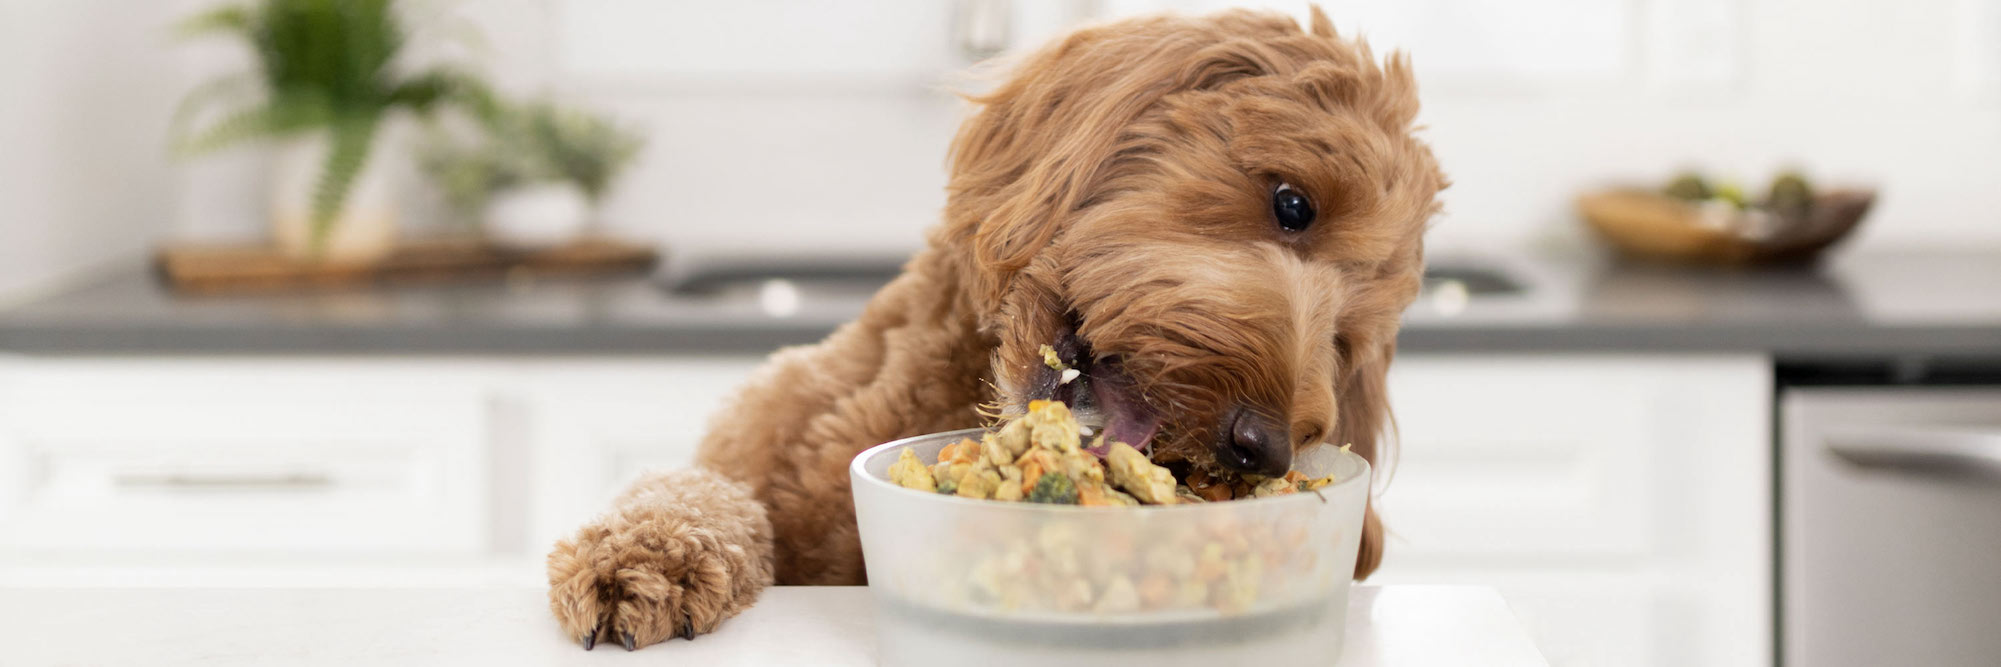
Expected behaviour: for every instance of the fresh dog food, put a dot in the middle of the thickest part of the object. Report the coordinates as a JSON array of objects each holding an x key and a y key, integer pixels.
[
  {"x": 1076, "y": 564},
  {"x": 1040, "y": 458}
]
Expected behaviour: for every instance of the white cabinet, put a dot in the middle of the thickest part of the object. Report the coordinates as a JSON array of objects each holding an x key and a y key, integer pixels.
[
  {"x": 1622, "y": 503},
  {"x": 594, "y": 426},
  {"x": 323, "y": 471},
  {"x": 289, "y": 456}
]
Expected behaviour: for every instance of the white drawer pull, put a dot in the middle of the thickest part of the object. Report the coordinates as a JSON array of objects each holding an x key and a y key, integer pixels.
[{"x": 299, "y": 481}]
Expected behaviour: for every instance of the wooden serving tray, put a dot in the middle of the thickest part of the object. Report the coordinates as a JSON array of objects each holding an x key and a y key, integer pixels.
[{"x": 227, "y": 268}]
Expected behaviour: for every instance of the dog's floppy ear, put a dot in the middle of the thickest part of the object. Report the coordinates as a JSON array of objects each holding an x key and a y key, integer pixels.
[
  {"x": 1042, "y": 142},
  {"x": 1364, "y": 412}
]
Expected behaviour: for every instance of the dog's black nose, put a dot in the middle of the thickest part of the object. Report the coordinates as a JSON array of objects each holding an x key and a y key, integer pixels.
[{"x": 1255, "y": 443}]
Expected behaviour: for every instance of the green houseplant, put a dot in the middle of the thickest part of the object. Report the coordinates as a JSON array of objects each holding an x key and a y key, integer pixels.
[
  {"x": 585, "y": 149},
  {"x": 326, "y": 83},
  {"x": 536, "y": 173}
]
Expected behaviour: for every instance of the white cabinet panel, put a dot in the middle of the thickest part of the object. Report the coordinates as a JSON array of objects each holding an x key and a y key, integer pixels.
[
  {"x": 307, "y": 470},
  {"x": 596, "y": 425},
  {"x": 219, "y": 455},
  {"x": 1521, "y": 461},
  {"x": 1622, "y": 503},
  {"x": 311, "y": 470}
]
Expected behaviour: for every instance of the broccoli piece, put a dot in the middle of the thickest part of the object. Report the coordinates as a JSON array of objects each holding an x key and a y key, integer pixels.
[
  {"x": 948, "y": 487},
  {"x": 1054, "y": 488},
  {"x": 1730, "y": 192}
]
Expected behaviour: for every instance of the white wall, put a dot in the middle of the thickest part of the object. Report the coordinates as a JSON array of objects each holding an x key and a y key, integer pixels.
[
  {"x": 816, "y": 126},
  {"x": 1526, "y": 103},
  {"x": 84, "y": 175},
  {"x": 830, "y": 113}
]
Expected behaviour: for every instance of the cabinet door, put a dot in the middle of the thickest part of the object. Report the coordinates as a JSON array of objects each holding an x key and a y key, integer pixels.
[
  {"x": 280, "y": 456},
  {"x": 594, "y": 425},
  {"x": 1648, "y": 477}
]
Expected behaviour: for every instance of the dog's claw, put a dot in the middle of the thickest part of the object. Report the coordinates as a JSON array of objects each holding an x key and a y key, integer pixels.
[
  {"x": 688, "y": 632},
  {"x": 626, "y": 638},
  {"x": 590, "y": 641}
]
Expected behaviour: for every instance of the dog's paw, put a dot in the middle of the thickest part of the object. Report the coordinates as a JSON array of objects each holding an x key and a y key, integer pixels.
[{"x": 680, "y": 553}]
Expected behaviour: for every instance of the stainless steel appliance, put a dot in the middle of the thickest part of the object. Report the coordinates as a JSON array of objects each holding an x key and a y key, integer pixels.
[{"x": 1890, "y": 531}]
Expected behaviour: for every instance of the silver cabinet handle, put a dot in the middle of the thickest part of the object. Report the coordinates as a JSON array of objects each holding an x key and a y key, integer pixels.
[
  {"x": 1935, "y": 452},
  {"x": 225, "y": 482}
]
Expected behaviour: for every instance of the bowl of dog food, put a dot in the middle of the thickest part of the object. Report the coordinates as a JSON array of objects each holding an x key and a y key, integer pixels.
[{"x": 1035, "y": 543}]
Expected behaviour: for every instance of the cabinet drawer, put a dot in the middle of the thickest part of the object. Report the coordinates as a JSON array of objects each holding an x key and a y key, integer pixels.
[
  {"x": 231, "y": 456},
  {"x": 1604, "y": 459}
]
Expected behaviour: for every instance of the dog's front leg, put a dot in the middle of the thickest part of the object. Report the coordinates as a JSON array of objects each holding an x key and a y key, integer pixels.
[{"x": 677, "y": 554}]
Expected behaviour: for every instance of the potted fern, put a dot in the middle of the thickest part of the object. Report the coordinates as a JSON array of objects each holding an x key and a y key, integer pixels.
[
  {"x": 326, "y": 85},
  {"x": 537, "y": 176}
]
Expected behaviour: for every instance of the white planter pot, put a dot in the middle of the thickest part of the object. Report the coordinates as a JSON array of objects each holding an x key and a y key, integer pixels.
[
  {"x": 542, "y": 214},
  {"x": 364, "y": 230}
]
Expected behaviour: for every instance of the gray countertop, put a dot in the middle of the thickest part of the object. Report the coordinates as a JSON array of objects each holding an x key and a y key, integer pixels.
[{"x": 1855, "y": 305}]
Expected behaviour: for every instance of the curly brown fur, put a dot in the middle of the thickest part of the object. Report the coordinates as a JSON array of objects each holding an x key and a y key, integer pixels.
[
  {"x": 679, "y": 553},
  {"x": 1115, "y": 191}
]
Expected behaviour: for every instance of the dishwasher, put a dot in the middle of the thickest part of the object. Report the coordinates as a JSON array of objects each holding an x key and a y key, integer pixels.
[{"x": 1890, "y": 521}]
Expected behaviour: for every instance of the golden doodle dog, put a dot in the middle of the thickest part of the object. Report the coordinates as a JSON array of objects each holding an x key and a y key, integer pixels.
[{"x": 1218, "y": 220}]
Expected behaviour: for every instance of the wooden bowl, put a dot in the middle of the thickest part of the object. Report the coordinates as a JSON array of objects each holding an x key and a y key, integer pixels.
[{"x": 1644, "y": 223}]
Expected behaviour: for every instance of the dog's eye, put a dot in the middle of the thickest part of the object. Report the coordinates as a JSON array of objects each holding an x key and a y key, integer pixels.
[{"x": 1291, "y": 207}]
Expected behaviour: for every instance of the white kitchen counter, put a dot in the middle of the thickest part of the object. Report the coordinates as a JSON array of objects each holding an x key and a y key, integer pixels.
[{"x": 1389, "y": 626}]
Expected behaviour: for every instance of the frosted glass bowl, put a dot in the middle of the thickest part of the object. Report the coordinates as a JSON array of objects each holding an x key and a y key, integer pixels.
[{"x": 963, "y": 581}]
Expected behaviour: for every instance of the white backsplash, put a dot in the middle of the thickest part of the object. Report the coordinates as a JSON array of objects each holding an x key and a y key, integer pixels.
[
  {"x": 795, "y": 124},
  {"x": 828, "y": 171},
  {"x": 823, "y": 126},
  {"x": 84, "y": 169}
]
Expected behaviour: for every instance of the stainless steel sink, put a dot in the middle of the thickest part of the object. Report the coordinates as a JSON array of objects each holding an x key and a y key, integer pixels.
[
  {"x": 724, "y": 278},
  {"x": 860, "y": 277},
  {"x": 1476, "y": 281}
]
